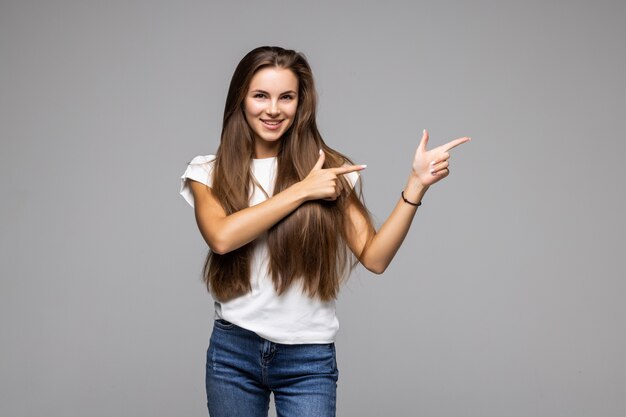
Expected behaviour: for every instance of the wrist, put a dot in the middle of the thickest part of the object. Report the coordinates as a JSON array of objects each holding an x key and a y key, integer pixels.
[
  {"x": 299, "y": 193},
  {"x": 414, "y": 190}
]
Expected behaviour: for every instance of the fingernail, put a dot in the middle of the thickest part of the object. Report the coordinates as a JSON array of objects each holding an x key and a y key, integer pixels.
[
  {"x": 424, "y": 132},
  {"x": 432, "y": 171},
  {"x": 363, "y": 166},
  {"x": 432, "y": 163}
]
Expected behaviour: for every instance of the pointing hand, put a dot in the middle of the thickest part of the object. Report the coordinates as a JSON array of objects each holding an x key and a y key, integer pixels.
[
  {"x": 322, "y": 183},
  {"x": 431, "y": 166}
]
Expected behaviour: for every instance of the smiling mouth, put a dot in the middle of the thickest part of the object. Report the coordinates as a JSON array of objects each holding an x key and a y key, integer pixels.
[{"x": 271, "y": 124}]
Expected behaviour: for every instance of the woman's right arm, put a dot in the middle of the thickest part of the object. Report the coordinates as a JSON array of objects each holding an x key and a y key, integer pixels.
[{"x": 224, "y": 233}]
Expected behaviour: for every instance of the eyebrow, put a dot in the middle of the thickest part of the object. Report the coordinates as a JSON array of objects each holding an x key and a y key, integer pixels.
[{"x": 265, "y": 92}]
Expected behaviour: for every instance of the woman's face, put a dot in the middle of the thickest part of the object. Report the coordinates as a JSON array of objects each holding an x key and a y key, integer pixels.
[{"x": 270, "y": 108}]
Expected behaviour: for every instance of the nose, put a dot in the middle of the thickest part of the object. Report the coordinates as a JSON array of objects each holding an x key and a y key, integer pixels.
[{"x": 273, "y": 110}]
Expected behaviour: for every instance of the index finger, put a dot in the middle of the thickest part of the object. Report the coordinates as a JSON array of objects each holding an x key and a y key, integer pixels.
[
  {"x": 347, "y": 169},
  {"x": 455, "y": 143}
]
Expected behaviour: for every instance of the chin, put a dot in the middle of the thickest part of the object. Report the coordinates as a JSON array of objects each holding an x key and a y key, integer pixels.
[{"x": 271, "y": 136}]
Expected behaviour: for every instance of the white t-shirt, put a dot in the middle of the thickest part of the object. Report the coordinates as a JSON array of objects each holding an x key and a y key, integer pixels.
[{"x": 291, "y": 318}]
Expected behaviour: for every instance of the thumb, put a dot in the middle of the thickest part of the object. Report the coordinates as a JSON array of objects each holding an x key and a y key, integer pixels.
[
  {"x": 320, "y": 162},
  {"x": 424, "y": 141}
]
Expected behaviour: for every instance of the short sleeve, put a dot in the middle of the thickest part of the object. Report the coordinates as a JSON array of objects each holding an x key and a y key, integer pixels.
[
  {"x": 352, "y": 178},
  {"x": 199, "y": 169}
]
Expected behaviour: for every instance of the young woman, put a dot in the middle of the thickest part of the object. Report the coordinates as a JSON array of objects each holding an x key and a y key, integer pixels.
[{"x": 283, "y": 221}]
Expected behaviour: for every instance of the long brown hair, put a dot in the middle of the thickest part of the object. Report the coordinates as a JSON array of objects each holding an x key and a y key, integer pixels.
[{"x": 310, "y": 243}]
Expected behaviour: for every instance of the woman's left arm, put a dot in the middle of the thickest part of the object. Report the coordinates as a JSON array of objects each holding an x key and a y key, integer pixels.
[{"x": 376, "y": 252}]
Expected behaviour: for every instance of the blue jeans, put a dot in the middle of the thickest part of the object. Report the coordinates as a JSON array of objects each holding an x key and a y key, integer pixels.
[{"x": 242, "y": 369}]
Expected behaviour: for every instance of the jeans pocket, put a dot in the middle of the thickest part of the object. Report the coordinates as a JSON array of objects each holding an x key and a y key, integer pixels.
[{"x": 223, "y": 324}]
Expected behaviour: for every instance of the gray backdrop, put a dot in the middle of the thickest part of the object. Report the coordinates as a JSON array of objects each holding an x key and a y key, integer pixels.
[{"x": 507, "y": 296}]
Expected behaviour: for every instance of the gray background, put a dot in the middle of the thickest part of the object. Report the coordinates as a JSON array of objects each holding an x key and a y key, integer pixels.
[{"x": 507, "y": 296}]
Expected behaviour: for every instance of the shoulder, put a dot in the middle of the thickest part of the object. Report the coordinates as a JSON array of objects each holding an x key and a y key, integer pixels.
[
  {"x": 202, "y": 160},
  {"x": 199, "y": 167},
  {"x": 352, "y": 177},
  {"x": 341, "y": 160}
]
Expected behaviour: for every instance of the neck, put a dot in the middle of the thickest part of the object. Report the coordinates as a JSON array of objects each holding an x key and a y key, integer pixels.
[{"x": 263, "y": 149}]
